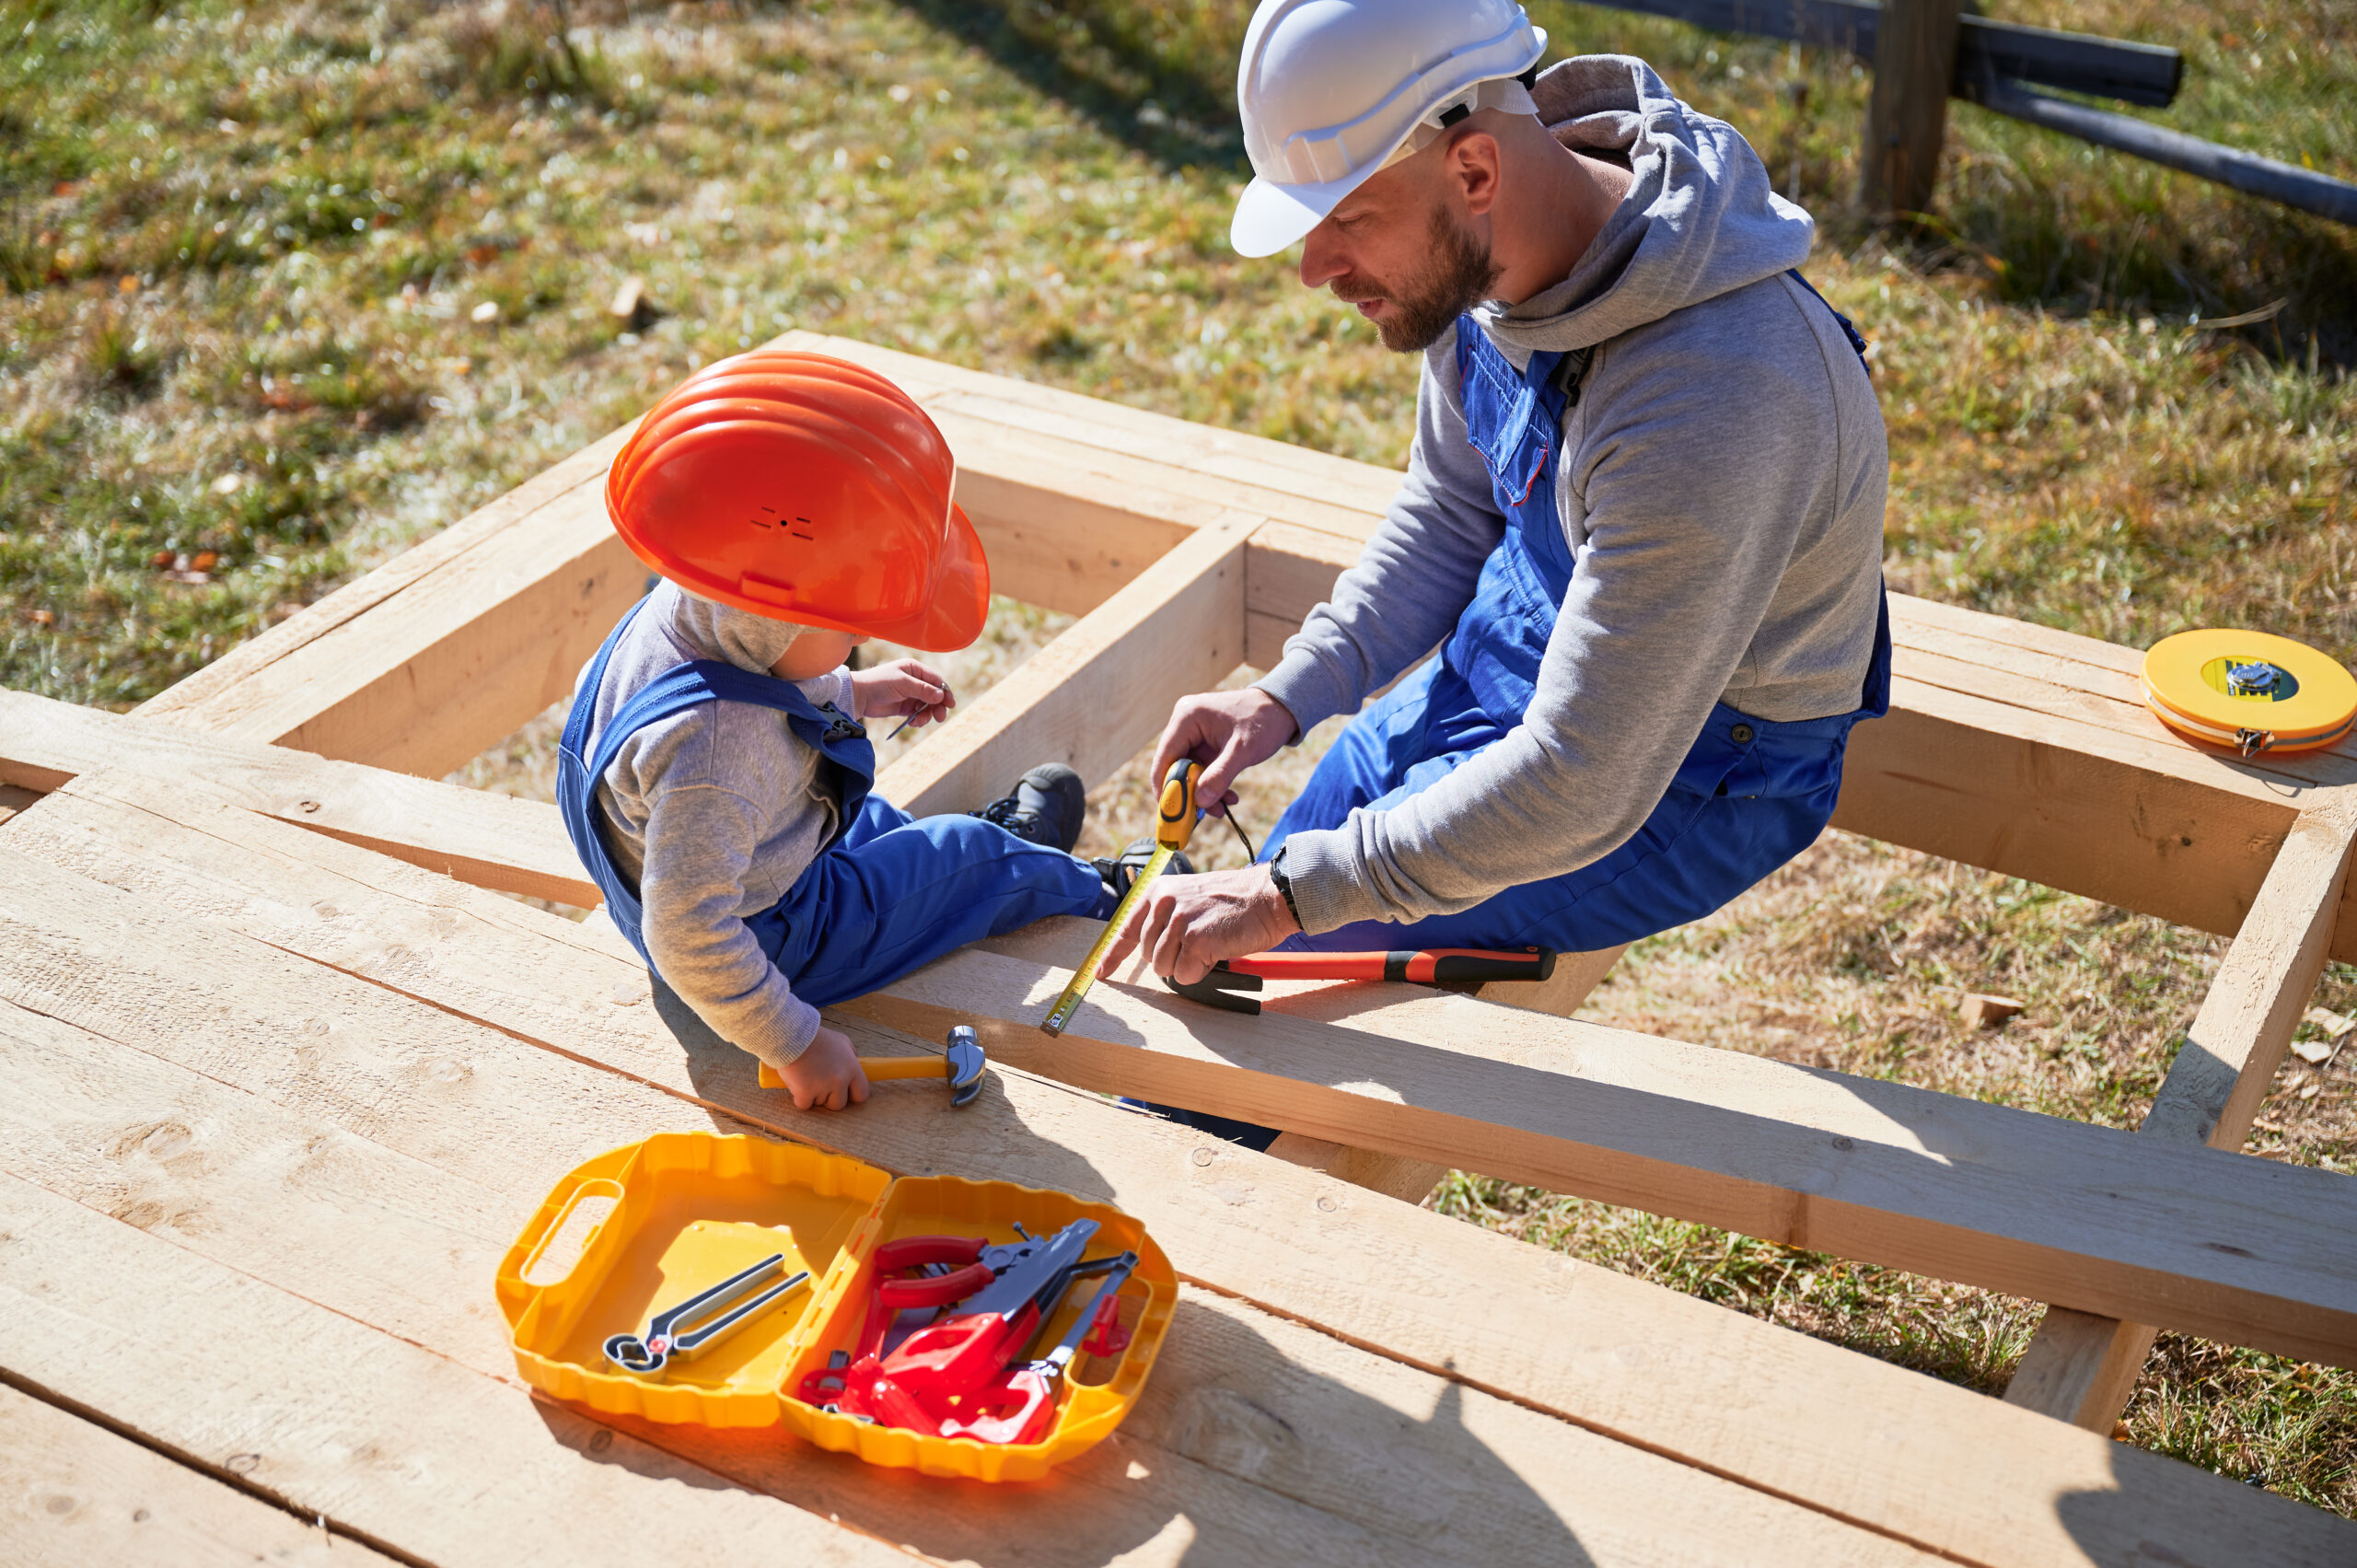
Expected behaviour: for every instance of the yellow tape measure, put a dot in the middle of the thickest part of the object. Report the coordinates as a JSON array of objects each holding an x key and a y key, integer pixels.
[
  {"x": 2251, "y": 691},
  {"x": 1174, "y": 824}
]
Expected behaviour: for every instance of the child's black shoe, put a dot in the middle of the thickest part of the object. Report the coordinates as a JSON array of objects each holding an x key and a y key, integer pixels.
[
  {"x": 1048, "y": 808},
  {"x": 1122, "y": 870}
]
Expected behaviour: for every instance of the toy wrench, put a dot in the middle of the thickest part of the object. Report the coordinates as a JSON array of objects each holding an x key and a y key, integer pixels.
[{"x": 705, "y": 1319}]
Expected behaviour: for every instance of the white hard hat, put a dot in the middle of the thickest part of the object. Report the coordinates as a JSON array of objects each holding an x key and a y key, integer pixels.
[{"x": 1331, "y": 90}]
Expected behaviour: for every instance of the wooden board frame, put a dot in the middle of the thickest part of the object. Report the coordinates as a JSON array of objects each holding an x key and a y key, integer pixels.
[{"x": 1188, "y": 552}]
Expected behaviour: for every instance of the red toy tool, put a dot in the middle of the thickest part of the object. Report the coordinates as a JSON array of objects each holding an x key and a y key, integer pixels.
[
  {"x": 949, "y": 1376},
  {"x": 1429, "y": 966},
  {"x": 1018, "y": 1407}
]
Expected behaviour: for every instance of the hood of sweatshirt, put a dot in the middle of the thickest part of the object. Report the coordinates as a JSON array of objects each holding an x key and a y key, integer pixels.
[
  {"x": 1699, "y": 221},
  {"x": 711, "y": 630}
]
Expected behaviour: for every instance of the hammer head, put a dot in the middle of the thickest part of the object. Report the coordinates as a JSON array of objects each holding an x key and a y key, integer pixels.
[{"x": 965, "y": 1066}]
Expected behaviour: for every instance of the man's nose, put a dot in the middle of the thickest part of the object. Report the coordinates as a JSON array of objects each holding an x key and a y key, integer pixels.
[{"x": 1322, "y": 258}]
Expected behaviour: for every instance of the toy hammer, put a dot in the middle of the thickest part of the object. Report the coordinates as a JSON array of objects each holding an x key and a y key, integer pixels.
[{"x": 962, "y": 1066}]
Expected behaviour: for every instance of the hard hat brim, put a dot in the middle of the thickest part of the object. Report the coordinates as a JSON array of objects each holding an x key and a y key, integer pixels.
[
  {"x": 961, "y": 600},
  {"x": 1269, "y": 216}
]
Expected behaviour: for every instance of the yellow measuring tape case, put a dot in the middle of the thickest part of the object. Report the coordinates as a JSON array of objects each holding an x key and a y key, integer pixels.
[{"x": 2251, "y": 691}]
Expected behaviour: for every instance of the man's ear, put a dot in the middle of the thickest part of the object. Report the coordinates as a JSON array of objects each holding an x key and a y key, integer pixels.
[{"x": 1471, "y": 165}]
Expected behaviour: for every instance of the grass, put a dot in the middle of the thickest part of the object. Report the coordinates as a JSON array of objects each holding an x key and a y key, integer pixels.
[{"x": 243, "y": 251}]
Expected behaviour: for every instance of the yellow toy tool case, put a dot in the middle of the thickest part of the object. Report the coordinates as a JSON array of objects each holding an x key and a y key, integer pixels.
[{"x": 714, "y": 1280}]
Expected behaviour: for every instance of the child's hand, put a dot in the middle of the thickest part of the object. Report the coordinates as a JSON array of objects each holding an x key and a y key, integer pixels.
[
  {"x": 903, "y": 689},
  {"x": 827, "y": 1074}
]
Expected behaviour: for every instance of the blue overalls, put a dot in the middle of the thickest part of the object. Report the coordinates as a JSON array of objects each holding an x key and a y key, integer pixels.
[
  {"x": 887, "y": 894},
  {"x": 1751, "y": 794}
]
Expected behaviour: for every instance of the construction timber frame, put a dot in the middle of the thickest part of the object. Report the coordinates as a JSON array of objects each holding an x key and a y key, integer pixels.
[{"x": 287, "y": 1074}]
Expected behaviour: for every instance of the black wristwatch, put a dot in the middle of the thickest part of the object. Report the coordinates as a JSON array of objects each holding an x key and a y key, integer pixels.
[{"x": 1285, "y": 885}]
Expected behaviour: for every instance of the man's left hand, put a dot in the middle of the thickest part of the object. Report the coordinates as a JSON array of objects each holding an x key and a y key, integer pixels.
[{"x": 1185, "y": 925}]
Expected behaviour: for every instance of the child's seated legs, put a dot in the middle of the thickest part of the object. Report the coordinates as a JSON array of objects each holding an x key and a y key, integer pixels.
[{"x": 898, "y": 893}]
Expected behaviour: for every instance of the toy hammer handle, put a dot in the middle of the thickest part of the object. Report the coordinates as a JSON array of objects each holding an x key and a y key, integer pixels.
[
  {"x": 878, "y": 1067},
  {"x": 1175, "y": 817}
]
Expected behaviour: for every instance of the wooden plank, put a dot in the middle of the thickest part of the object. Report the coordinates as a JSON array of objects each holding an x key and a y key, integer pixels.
[
  {"x": 1299, "y": 471},
  {"x": 1346, "y": 1424},
  {"x": 394, "y": 1238},
  {"x": 385, "y": 1439},
  {"x": 1396, "y": 1463},
  {"x": 2107, "y": 67},
  {"x": 1936, "y": 1464},
  {"x": 336, "y": 1220},
  {"x": 2179, "y": 836},
  {"x": 405, "y": 571},
  {"x": 1928, "y": 1182},
  {"x": 490, "y": 841},
  {"x": 2082, "y": 1367},
  {"x": 1099, "y": 693},
  {"x": 1413, "y": 1180},
  {"x": 2079, "y": 810},
  {"x": 73, "y": 1493},
  {"x": 2106, "y": 713},
  {"x": 1910, "y": 611},
  {"x": 2240, "y": 1250},
  {"x": 455, "y": 660},
  {"x": 2292, "y": 184},
  {"x": 15, "y": 798}
]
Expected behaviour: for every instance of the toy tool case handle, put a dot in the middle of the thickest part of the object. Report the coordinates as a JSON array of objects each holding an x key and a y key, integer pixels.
[{"x": 515, "y": 1284}]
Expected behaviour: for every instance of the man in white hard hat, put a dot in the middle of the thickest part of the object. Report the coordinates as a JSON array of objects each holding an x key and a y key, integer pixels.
[{"x": 1642, "y": 519}]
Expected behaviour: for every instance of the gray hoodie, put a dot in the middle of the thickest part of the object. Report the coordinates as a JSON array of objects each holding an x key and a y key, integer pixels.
[
  {"x": 1721, "y": 489},
  {"x": 712, "y": 813}
]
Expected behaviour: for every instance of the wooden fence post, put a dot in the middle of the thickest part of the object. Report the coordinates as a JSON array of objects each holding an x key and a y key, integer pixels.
[{"x": 1914, "y": 63}]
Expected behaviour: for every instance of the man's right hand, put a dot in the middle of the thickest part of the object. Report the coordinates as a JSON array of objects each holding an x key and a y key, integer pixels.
[{"x": 1228, "y": 732}]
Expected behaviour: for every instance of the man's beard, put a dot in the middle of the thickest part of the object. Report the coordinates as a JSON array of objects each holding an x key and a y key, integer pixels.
[{"x": 1456, "y": 278}]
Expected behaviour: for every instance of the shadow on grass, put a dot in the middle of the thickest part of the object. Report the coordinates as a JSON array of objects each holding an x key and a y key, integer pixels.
[{"x": 1157, "y": 78}]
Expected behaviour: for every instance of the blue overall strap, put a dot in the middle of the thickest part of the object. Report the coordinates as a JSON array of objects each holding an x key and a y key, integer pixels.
[
  {"x": 835, "y": 735},
  {"x": 1849, "y": 328}
]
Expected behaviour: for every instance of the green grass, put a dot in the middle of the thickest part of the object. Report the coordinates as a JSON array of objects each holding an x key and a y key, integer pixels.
[{"x": 242, "y": 249}]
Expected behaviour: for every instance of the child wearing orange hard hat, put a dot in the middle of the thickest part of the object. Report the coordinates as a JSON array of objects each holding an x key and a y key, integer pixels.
[{"x": 715, "y": 774}]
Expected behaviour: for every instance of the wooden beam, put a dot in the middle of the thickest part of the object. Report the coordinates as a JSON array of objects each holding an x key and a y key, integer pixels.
[
  {"x": 398, "y": 1218},
  {"x": 188, "y": 699},
  {"x": 1907, "y": 115},
  {"x": 1413, "y": 1180},
  {"x": 489, "y": 841},
  {"x": 2105, "y": 67},
  {"x": 2030, "y": 792},
  {"x": 389, "y": 1441},
  {"x": 2105, "y": 816},
  {"x": 1936, "y": 1464},
  {"x": 79, "y": 1495},
  {"x": 2240, "y": 1250},
  {"x": 2082, "y": 1367},
  {"x": 425, "y": 677},
  {"x": 432, "y": 1237},
  {"x": 1341, "y": 492},
  {"x": 1101, "y": 690},
  {"x": 1712, "y": 1136}
]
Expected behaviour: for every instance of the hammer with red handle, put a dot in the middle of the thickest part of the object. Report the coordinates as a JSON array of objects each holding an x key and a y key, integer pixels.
[{"x": 1424, "y": 966}]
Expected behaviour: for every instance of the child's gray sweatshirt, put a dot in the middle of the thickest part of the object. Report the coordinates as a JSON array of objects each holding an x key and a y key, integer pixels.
[
  {"x": 713, "y": 813},
  {"x": 1720, "y": 488}
]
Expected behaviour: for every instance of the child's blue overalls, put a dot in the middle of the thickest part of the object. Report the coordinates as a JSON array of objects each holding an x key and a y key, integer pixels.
[
  {"x": 1751, "y": 794},
  {"x": 887, "y": 895}
]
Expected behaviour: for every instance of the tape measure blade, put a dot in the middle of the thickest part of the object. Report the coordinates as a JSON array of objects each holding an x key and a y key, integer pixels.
[{"x": 1086, "y": 976}]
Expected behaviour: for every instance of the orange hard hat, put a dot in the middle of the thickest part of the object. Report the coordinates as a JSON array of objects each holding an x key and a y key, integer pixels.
[{"x": 806, "y": 489}]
